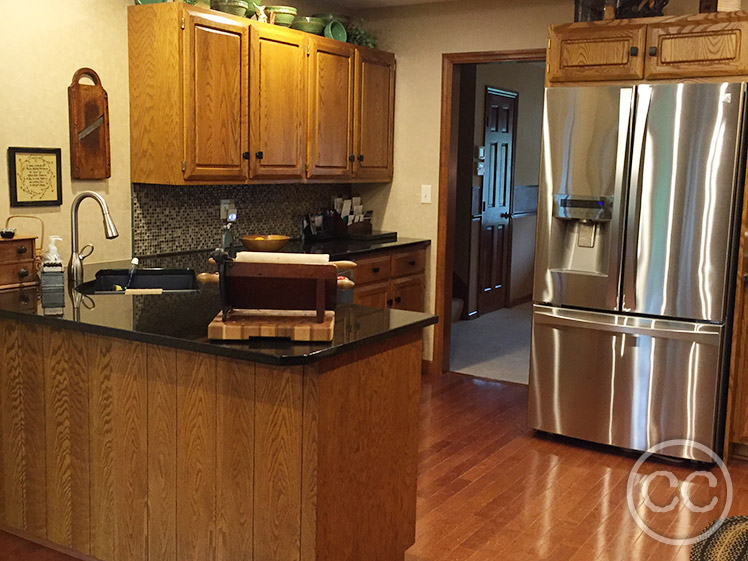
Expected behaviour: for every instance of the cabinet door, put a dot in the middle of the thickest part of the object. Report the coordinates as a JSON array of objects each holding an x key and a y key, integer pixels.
[
  {"x": 740, "y": 369},
  {"x": 596, "y": 51},
  {"x": 215, "y": 97},
  {"x": 715, "y": 47},
  {"x": 375, "y": 114},
  {"x": 375, "y": 295},
  {"x": 331, "y": 95},
  {"x": 277, "y": 106},
  {"x": 408, "y": 293}
]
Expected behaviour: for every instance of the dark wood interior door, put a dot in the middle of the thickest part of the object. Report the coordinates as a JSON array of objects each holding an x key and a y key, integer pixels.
[{"x": 499, "y": 141}]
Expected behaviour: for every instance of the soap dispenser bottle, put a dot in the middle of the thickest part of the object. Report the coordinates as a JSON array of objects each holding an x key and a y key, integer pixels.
[{"x": 52, "y": 272}]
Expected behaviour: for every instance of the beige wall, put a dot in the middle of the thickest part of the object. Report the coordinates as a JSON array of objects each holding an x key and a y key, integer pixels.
[
  {"x": 42, "y": 43},
  {"x": 528, "y": 80},
  {"x": 419, "y": 37}
]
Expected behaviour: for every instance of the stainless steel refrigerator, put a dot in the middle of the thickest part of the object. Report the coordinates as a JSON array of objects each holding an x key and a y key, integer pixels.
[{"x": 635, "y": 259}]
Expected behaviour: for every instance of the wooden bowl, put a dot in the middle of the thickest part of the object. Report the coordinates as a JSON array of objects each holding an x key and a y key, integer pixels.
[{"x": 265, "y": 243}]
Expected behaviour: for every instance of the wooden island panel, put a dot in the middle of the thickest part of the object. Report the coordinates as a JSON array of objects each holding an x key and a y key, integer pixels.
[{"x": 124, "y": 451}]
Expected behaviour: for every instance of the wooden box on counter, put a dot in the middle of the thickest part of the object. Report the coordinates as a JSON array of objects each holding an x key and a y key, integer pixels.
[{"x": 17, "y": 263}]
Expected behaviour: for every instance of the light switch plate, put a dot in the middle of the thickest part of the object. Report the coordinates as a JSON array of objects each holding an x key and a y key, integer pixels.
[
  {"x": 426, "y": 194},
  {"x": 226, "y": 206}
]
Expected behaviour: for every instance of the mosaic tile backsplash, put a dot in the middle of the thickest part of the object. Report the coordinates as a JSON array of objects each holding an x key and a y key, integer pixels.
[{"x": 169, "y": 219}]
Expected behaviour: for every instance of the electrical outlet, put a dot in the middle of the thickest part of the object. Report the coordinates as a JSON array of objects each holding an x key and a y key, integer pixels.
[
  {"x": 226, "y": 206},
  {"x": 425, "y": 194}
]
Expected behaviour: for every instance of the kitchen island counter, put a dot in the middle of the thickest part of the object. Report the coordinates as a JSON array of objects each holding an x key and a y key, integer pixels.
[
  {"x": 180, "y": 320},
  {"x": 126, "y": 434}
]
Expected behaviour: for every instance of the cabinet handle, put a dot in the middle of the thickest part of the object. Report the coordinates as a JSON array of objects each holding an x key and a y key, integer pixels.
[
  {"x": 25, "y": 299},
  {"x": 652, "y": 51},
  {"x": 412, "y": 263},
  {"x": 634, "y": 51},
  {"x": 245, "y": 155},
  {"x": 352, "y": 157},
  {"x": 505, "y": 215},
  {"x": 398, "y": 300},
  {"x": 22, "y": 250},
  {"x": 360, "y": 157},
  {"x": 389, "y": 301},
  {"x": 375, "y": 269},
  {"x": 259, "y": 155},
  {"x": 23, "y": 273},
  {"x": 484, "y": 206}
]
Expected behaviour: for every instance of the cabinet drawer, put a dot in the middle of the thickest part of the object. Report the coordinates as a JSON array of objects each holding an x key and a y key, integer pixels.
[
  {"x": 17, "y": 273},
  {"x": 372, "y": 270},
  {"x": 18, "y": 300},
  {"x": 16, "y": 250},
  {"x": 408, "y": 263},
  {"x": 707, "y": 49}
]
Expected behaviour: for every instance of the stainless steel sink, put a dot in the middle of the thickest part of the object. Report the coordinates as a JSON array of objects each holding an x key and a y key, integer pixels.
[{"x": 169, "y": 280}]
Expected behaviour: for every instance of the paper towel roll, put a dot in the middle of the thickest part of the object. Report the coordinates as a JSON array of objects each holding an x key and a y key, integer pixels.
[
  {"x": 729, "y": 5},
  {"x": 268, "y": 257}
]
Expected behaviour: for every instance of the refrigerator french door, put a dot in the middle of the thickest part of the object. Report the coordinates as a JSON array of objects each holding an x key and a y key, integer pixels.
[{"x": 635, "y": 252}]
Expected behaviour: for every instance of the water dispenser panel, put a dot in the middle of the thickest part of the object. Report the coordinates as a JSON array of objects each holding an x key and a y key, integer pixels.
[{"x": 589, "y": 209}]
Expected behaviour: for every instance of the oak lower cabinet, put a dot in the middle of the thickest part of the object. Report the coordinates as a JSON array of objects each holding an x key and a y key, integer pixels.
[
  {"x": 216, "y": 98},
  {"x": 740, "y": 373},
  {"x": 693, "y": 46},
  {"x": 391, "y": 280},
  {"x": 277, "y": 115},
  {"x": 117, "y": 450}
]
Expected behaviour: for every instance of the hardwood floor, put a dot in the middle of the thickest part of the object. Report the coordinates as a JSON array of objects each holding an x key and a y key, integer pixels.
[{"x": 490, "y": 490}]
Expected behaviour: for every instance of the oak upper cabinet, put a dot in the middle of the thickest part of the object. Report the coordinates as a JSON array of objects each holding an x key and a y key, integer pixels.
[
  {"x": 216, "y": 98},
  {"x": 277, "y": 113},
  {"x": 596, "y": 51},
  {"x": 188, "y": 95},
  {"x": 374, "y": 119},
  {"x": 715, "y": 46},
  {"x": 694, "y": 46},
  {"x": 332, "y": 70}
]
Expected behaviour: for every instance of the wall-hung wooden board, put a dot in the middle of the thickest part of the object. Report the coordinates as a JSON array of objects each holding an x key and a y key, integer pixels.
[{"x": 88, "y": 107}]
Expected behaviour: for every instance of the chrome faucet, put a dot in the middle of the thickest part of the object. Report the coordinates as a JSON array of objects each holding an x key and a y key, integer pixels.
[{"x": 75, "y": 270}]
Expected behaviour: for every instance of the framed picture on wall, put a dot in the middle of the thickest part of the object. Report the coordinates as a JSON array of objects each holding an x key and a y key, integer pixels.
[{"x": 35, "y": 176}]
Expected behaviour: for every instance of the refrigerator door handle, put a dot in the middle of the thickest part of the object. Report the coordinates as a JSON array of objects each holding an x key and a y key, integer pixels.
[
  {"x": 631, "y": 244},
  {"x": 708, "y": 335}
]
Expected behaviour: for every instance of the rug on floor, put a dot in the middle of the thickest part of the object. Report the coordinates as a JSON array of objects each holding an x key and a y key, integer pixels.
[
  {"x": 495, "y": 346},
  {"x": 728, "y": 543}
]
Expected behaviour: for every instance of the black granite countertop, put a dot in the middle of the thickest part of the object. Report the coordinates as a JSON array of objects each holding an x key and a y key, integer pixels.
[{"x": 180, "y": 320}]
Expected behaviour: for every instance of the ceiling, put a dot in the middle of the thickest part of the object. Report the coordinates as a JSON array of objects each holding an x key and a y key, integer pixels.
[{"x": 362, "y": 4}]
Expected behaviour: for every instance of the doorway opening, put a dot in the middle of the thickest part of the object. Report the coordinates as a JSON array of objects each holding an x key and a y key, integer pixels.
[{"x": 492, "y": 108}]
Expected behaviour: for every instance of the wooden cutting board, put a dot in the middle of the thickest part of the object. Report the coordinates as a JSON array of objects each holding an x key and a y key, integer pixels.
[
  {"x": 296, "y": 325},
  {"x": 88, "y": 107}
]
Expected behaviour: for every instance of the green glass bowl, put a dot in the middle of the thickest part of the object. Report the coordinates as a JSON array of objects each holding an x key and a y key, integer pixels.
[
  {"x": 342, "y": 18},
  {"x": 308, "y": 25},
  {"x": 284, "y": 15},
  {"x": 336, "y": 30},
  {"x": 233, "y": 7}
]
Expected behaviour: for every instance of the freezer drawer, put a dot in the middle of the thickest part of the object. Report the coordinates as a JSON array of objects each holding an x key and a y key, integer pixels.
[{"x": 625, "y": 381}]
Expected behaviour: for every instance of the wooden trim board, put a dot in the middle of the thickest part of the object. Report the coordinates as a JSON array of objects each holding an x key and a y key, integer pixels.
[{"x": 448, "y": 186}]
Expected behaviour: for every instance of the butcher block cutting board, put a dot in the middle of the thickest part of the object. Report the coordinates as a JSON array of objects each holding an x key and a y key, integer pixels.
[{"x": 297, "y": 325}]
